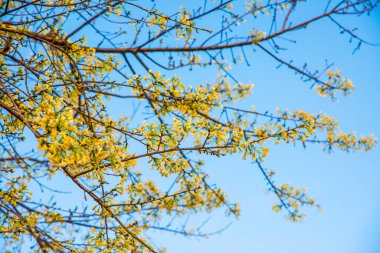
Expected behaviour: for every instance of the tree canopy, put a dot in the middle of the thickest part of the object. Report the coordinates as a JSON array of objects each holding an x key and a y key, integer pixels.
[{"x": 92, "y": 93}]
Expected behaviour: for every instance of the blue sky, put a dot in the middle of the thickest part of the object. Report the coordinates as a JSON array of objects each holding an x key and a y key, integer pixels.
[{"x": 345, "y": 184}]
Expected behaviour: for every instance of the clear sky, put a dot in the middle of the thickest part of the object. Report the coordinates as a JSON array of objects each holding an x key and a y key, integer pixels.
[{"x": 345, "y": 184}]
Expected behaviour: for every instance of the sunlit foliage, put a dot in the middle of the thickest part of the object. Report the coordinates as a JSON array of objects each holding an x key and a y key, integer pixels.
[{"x": 62, "y": 61}]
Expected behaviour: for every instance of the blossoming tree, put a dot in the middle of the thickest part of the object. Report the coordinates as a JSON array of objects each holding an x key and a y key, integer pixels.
[{"x": 64, "y": 62}]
